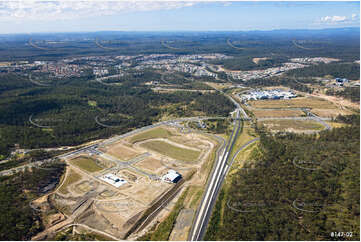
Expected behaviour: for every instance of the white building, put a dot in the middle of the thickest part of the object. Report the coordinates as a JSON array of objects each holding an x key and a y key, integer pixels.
[
  {"x": 113, "y": 180},
  {"x": 172, "y": 176},
  {"x": 268, "y": 94}
]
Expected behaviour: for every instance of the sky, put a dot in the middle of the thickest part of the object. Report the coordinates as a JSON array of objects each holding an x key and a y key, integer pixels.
[{"x": 29, "y": 16}]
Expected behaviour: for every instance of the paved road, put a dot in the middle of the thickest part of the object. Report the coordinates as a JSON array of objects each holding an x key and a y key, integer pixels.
[
  {"x": 239, "y": 108},
  {"x": 229, "y": 43},
  {"x": 101, "y": 79},
  {"x": 38, "y": 83},
  {"x": 320, "y": 120},
  {"x": 52, "y": 230},
  {"x": 37, "y": 125},
  {"x": 199, "y": 229},
  {"x": 93, "y": 147},
  {"x": 240, "y": 149},
  {"x": 217, "y": 177},
  {"x": 212, "y": 189},
  {"x": 24, "y": 167},
  {"x": 87, "y": 202}
]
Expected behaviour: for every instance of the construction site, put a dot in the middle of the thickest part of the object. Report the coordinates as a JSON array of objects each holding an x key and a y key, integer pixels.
[{"x": 121, "y": 188}]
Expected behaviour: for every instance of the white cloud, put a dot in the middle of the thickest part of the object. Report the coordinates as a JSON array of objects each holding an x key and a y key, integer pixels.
[
  {"x": 63, "y": 10},
  {"x": 333, "y": 19},
  {"x": 354, "y": 16},
  {"x": 226, "y": 4},
  {"x": 339, "y": 20}
]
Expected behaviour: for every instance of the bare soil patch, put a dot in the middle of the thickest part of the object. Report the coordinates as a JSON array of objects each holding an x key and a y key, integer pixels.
[
  {"x": 257, "y": 60},
  {"x": 150, "y": 164},
  {"x": 338, "y": 101},
  {"x": 120, "y": 151},
  {"x": 331, "y": 113},
  {"x": 292, "y": 125},
  {"x": 301, "y": 102}
]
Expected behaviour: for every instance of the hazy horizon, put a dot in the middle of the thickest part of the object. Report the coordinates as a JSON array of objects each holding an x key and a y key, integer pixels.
[
  {"x": 17, "y": 17},
  {"x": 178, "y": 31}
]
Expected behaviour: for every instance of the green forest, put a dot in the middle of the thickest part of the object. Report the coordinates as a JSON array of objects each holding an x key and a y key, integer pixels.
[
  {"x": 297, "y": 187},
  {"x": 18, "y": 221},
  {"x": 245, "y": 63},
  {"x": 279, "y": 81},
  {"x": 64, "y": 114},
  {"x": 341, "y": 70},
  {"x": 351, "y": 93}
]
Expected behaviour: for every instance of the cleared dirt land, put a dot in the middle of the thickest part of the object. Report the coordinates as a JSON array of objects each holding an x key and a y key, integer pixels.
[
  {"x": 277, "y": 113},
  {"x": 86, "y": 198},
  {"x": 292, "y": 125},
  {"x": 256, "y": 60},
  {"x": 172, "y": 151},
  {"x": 331, "y": 113},
  {"x": 150, "y": 164},
  {"x": 87, "y": 164},
  {"x": 302, "y": 102},
  {"x": 120, "y": 151},
  {"x": 72, "y": 177}
]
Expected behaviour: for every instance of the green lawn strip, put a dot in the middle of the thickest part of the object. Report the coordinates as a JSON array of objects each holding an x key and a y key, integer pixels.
[
  {"x": 196, "y": 198},
  {"x": 87, "y": 164},
  {"x": 172, "y": 151},
  {"x": 92, "y": 103},
  {"x": 215, "y": 221},
  {"x": 151, "y": 134},
  {"x": 242, "y": 139},
  {"x": 237, "y": 137}
]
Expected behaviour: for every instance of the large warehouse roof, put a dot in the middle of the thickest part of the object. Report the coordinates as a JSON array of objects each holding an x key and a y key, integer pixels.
[
  {"x": 113, "y": 180},
  {"x": 172, "y": 176}
]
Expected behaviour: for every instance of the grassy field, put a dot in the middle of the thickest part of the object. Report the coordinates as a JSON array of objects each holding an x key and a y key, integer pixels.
[
  {"x": 70, "y": 179},
  {"x": 196, "y": 197},
  {"x": 244, "y": 156},
  {"x": 86, "y": 164},
  {"x": 277, "y": 113},
  {"x": 336, "y": 125},
  {"x": 307, "y": 102},
  {"x": 219, "y": 85},
  {"x": 92, "y": 103},
  {"x": 246, "y": 135},
  {"x": 292, "y": 125},
  {"x": 172, "y": 151},
  {"x": 217, "y": 217},
  {"x": 151, "y": 134}
]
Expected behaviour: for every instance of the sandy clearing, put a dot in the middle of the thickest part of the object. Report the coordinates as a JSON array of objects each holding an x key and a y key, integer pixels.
[
  {"x": 120, "y": 151},
  {"x": 277, "y": 113},
  {"x": 338, "y": 100},
  {"x": 331, "y": 113},
  {"x": 256, "y": 60}
]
